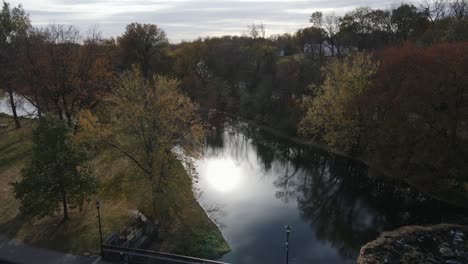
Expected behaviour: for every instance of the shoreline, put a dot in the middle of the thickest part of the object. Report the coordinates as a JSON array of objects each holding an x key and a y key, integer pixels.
[{"x": 309, "y": 143}]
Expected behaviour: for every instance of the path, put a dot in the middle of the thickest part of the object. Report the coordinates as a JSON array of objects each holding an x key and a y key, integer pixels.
[{"x": 14, "y": 251}]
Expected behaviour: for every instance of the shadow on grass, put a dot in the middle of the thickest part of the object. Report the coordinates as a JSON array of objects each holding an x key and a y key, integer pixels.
[
  {"x": 75, "y": 235},
  {"x": 14, "y": 150},
  {"x": 13, "y": 226}
]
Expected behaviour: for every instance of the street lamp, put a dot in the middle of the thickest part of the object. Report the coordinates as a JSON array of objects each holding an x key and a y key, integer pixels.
[
  {"x": 98, "y": 206},
  {"x": 288, "y": 231}
]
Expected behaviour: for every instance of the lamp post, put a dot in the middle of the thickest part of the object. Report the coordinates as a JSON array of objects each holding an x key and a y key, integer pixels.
[
  {"x": 98, "y": 206},
  {"x": 288, "y": 231}
]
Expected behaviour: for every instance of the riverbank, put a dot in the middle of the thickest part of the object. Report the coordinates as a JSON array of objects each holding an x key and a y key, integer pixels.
[
  {"x": 121, "y": 191},
  {"x": 441, "y": 190},
  {"x": 297, "y": 140},
  {"x": 418, "y": 244}
]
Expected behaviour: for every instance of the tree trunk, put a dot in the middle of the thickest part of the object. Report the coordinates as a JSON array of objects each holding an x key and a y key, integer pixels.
[
  {"x": 65, "y": 207},
  {"x": 13, "y": 108}
]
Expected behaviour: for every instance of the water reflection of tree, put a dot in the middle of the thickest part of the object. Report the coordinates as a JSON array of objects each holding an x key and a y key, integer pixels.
[
  {"x": 225, "y": 140},
  {"x": 343, "y": 206}
]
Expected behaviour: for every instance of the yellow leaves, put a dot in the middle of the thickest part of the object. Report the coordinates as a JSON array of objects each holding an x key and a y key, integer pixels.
[
  {"x": 151, "y": 116},
  {"x": 335, "y": 113},
  {"x": 87, "y": 123}
]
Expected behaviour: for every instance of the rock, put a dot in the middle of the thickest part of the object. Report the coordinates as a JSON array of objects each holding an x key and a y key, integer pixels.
[
  {"x": 438, "y": 244},
  {"x": 446, "y": 252}
]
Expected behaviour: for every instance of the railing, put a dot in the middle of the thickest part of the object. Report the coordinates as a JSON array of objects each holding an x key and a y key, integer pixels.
[{"x": 138, "y": 256}]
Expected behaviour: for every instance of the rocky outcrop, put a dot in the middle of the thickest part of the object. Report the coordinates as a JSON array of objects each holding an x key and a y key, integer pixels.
[{"x": 442, "y": 243}]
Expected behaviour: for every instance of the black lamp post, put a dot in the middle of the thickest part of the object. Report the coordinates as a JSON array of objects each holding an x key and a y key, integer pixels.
[
  {"x": 288, "y": 231},
  {"x": 98, "y": 206}
]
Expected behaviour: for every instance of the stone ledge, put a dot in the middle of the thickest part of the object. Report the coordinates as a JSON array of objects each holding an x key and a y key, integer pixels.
[{"x": 444, "y": 243}]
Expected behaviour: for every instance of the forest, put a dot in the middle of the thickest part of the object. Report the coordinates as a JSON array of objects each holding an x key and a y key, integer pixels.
[{"x": 388, "y": 87}]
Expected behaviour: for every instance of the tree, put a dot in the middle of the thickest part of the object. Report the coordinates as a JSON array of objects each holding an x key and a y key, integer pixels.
[
  {"x": 367, "y": 28},
  {"x": 311, "y": 39},
  {"x": 64, "y": 71},
  {"x": 459, "y": 8},
  {"x": 256, "y": 31},
  {"x": 316, "y": 19},
  {"x": 59, "y": 172},
  {"x": 143, "y": 45},
  {"x": 405, "y": 19},
  {"x": 330, "y": 25},
  {"x": 421, "y": 94},
  {"x": 148, "y": 119},
  {"x": 355, "y": 27},
  {"x": 14, "y": 23},
  {"x": 434, "y": 10},
  {"x": 337, "y": 114}
]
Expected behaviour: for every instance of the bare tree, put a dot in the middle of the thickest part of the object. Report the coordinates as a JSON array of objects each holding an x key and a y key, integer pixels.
[
  {"x": 256, "y": 31},
  {"x": 459, "y": 8},
  {"x": 434, "y": 10},
  {"x": 331, "y": 25},
  {"x": 66, "y": 70}
]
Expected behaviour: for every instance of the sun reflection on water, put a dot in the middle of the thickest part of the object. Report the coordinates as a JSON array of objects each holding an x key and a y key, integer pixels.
[{"x": 223, "y": 175}]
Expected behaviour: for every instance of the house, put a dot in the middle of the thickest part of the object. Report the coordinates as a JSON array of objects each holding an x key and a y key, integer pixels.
[{"x": 327, "y": 49}]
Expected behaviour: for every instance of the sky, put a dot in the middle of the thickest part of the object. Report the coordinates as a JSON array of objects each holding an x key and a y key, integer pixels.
[{"x": 188, "y": 19}]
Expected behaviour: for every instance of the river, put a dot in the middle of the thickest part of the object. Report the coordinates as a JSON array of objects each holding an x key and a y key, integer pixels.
[
  {"x": 23, "y": 107},
  {"x": 253, "y": 184}
]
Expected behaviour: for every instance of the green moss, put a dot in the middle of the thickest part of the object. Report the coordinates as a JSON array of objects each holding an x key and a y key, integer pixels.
[{"x": 201, "y": 243}]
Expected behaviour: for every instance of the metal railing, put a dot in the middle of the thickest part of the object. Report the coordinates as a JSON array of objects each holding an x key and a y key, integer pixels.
[{"x": 138, "y": 256}]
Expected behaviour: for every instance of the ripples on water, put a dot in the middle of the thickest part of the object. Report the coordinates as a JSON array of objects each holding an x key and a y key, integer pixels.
[{"x": 254, "y": 184}]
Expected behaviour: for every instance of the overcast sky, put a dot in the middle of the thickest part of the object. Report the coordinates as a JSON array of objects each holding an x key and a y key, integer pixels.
[{"x": 188, "y": 19}]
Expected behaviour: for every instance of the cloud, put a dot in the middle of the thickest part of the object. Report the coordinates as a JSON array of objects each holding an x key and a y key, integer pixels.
[{"x": 187, "y": 19}]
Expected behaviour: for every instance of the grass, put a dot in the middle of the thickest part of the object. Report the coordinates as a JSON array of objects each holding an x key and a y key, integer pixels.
[
  {"x": 190, "y": 231},
  {"x": 186, "y": 227}
]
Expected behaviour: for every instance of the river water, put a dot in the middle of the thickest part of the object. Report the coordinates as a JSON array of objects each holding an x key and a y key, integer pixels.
[
  {"x": 253, "y": 184},
  {"x": 23, "y": 107}
]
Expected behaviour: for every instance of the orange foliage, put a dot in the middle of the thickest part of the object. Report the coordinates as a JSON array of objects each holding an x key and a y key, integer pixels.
[{"x": 421, "y": 111}]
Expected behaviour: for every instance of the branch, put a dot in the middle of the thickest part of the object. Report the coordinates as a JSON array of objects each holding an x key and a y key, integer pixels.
[{"x": 129, "y": 156}]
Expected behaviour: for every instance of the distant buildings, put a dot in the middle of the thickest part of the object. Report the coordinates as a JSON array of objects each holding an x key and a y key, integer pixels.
[{"x": 327, "y": 49}]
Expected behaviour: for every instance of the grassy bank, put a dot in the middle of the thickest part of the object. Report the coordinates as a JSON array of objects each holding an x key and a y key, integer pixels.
[{"x": 186, "y": 229}]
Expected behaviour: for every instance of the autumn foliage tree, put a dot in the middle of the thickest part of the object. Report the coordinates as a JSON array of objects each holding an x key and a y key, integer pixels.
[
  {"x": 422, "y": 112},
  {"x": 64, "y": 71},
  {"x": 337, "y": 113},
  {"x": 149, "y": 118}
]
